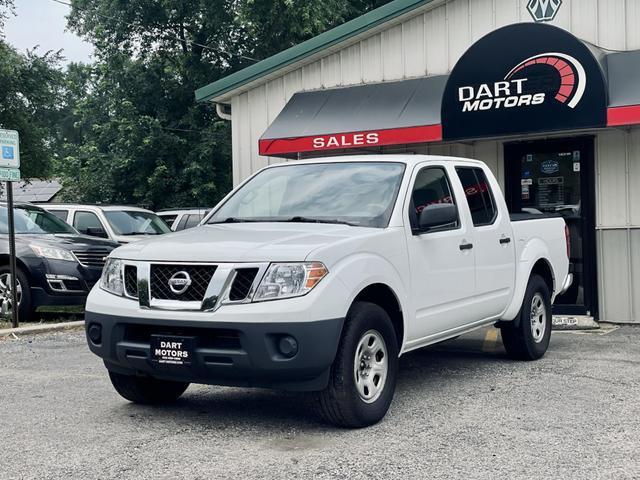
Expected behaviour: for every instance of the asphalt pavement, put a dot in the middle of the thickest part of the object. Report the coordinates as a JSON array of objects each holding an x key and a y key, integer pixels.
[{"x": 461, "y": 410}]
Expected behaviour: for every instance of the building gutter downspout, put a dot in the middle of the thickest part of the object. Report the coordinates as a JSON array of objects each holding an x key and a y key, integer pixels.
[{"x": 221, "y": 113}]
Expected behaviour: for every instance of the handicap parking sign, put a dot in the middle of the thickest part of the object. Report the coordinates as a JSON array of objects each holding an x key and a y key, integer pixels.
[
  {"x": 9, "y": 149},
  {"x": 7, "y": 152}
]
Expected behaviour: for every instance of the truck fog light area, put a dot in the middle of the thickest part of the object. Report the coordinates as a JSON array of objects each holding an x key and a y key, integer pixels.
[
  {"x": 288, "y": 346},
  {"x": 285, "y": 280},
  {"x": 94, "y": 333}
]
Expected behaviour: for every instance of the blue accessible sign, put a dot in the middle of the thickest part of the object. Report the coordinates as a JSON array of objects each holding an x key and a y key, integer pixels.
[{"x": 9, "y": 149}]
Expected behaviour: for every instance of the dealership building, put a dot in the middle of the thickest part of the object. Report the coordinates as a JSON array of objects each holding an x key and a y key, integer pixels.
[{"x": 546, "y": 92}]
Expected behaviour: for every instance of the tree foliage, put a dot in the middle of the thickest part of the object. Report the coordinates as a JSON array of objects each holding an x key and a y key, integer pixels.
[
  {"x": 130, "y": 130},
  {"x": 29, "y": 102}
]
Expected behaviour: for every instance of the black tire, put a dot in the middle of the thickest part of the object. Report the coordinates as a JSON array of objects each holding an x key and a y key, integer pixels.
[
  {"x": 25, "y": 308},
  {"x": 341, "y": 403},
  {"x": 147, "y": 391},
  {"x": 519, "y": 340}
]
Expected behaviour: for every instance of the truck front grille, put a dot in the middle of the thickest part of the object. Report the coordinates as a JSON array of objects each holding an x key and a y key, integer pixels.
[
  {"x": 131, "y": 280},
  {"x": 92, "y": 258},
  {"x": 199, "y": 276},
  {"x": 242, "y": 283}
]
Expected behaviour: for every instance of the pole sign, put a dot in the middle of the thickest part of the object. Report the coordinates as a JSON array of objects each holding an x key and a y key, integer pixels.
[
  {"x": 10, "y": 172},
  {"x": 9, "y": 149}
]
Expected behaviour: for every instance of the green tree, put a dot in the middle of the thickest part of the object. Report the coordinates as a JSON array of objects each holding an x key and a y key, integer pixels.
[
  {"x": 31, "y": 85},
  {"x": 274, "y": 25},
  {"x": 132, "y": 131},
  {"x": 138, "y": 136}
]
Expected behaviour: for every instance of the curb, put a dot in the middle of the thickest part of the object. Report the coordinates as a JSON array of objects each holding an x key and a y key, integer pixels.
[{"x": 42, "y": 328}]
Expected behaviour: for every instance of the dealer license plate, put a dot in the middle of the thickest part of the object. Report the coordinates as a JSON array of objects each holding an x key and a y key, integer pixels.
[{"x": 172, "y": 350}]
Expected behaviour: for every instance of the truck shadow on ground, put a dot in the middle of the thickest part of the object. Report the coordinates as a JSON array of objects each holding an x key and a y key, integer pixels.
[{"x": 211, "y": 407}]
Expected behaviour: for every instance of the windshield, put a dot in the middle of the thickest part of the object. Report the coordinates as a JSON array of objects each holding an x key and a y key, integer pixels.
[
  {"x": 30, "y": 220},
  {"x": 356, "y": 193},
  {"x": 135, "y": 223}
]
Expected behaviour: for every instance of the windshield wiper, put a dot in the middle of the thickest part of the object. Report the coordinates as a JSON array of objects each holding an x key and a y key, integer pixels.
[
  {"x": 234, "y": 220},
  {"x": 300, "y": 219}
]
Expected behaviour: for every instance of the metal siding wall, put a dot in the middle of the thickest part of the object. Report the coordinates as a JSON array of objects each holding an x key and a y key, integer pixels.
[
  {"x": 435, "y": 26},
  {"x": 482, "y": 17},
  {"x": 614, "y": 280},
  {"x": 458, "y": 26},
  {"x": 618, "y": 224},
  {"x": 371, "y": 62},
  {"x": 392, "y": 54},
  {"x": 415, "y": 58},
  {"x": 331, "y": 71},
  {"x": 611, "y": 210},
  {"x": 351, "y": 65}
]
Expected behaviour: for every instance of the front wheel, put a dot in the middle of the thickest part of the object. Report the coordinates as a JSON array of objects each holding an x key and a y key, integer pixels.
[
  {"x": 363, "y": 375},
  {"x": 146, "y": 391},
  {"x": 529, "y": 340},
  {"x": 23, "y": 293}
]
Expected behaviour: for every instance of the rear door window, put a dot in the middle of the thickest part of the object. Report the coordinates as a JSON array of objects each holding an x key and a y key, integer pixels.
[{"x": 479, "y": 196}]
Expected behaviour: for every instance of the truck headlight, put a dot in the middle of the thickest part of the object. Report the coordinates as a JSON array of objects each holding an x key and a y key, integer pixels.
[
  {"x": 53, "y": 253},
  {"x": 286, "y": 280},
  {"x": 111, "y": 279}
]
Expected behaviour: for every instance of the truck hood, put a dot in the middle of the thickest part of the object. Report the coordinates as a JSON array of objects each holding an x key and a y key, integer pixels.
[{"x": 241, "y": 242}]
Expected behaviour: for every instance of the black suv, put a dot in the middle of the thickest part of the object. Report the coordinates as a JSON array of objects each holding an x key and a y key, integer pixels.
[{"x": 56, "y": 265}]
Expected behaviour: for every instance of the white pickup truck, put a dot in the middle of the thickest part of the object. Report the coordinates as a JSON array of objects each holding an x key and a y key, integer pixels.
[{"x": 317, "y": 275}]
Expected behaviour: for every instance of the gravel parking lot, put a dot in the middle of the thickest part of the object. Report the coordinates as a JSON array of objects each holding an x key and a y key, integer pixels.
[{"x": 462, "y": 410}]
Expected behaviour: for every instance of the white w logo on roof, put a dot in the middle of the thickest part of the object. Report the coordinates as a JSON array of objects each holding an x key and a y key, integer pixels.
[{"x": 543, "y": 10}]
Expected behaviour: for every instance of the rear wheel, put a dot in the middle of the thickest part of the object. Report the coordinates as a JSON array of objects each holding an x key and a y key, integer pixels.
[
  {"x": 529, "y": 340},
  {"x": 363, "y": 375},
  {"x": 147, "y": 391}
]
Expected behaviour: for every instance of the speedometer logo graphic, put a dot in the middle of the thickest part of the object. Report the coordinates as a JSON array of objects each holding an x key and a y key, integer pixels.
[{"x": 573, "y": 79}]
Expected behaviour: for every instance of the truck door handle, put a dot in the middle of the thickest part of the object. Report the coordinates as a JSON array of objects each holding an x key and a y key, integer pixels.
[
  {"x": 466, "y": 246},
  {"x": 504, "y": 241}
]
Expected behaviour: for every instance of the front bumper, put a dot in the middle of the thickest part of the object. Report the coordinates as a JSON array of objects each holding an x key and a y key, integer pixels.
[
  {"x": 226, "y": 353},
  {"x": 45, "y": 292}
]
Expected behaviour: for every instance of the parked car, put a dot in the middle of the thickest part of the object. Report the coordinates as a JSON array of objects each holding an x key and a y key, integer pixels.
[
  {"x": 317, "y": 275},
  {"x": 56, "y": 265},
  {"x": 120, "y": 223},
  {"x": 181, "y": 219}
]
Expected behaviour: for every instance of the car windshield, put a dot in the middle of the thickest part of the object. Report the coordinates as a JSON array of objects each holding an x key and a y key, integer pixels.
[
  {"x": 132, "y": 222},
  {"x": 31, "y": 220},
  {"x": 354, "y": 193}
]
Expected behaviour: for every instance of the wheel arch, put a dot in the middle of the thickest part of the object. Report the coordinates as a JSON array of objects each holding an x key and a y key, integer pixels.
[
  {"x": 540, "y": 266},
  {"x": 5, "y": 260},
  {"x": 384, "y": 296}
]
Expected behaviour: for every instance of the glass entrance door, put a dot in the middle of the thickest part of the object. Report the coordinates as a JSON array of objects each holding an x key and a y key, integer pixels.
[{"x": 556, "y": 176}]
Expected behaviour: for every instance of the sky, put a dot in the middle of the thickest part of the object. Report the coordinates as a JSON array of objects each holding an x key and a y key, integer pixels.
[{"x": 42, "y": 22}]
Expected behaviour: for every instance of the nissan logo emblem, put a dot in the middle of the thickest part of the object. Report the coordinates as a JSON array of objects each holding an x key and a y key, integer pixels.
[{"x": 179, "y": 282}]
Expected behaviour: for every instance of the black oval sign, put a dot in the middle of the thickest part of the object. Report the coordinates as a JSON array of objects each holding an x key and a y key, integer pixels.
[{"x": 524, "y": 78}]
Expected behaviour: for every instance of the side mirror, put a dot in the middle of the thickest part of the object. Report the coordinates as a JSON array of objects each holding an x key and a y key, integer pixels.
[
  {"x": 96, "y": 232},
  {"x": 436, "y": 216}
]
